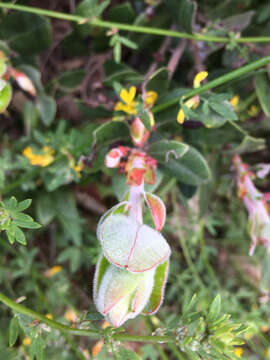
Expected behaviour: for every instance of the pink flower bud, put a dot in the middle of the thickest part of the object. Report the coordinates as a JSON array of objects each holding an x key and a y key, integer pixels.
[
  {"x": 114, "y": 156},
  {"x": 259, "y": 219},
  {"x": 24, "y": 82},
  {"x": 139, "y": 133}
]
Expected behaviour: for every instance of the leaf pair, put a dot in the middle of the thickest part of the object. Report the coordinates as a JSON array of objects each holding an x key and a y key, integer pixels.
[
  {"x": 121, "y": 295},
  {"x": 128, "y": 244}
]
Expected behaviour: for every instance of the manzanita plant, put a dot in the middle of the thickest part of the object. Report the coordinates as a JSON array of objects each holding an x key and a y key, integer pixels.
[
  {"x": 132, "y": 270},
  {"x": 151, "y": 139}
]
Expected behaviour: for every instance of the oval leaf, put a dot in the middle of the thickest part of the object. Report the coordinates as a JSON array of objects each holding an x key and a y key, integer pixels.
[
  {"x": 165, "y": 150},
  {"x": 190, "y": 169},
  {"x": 157, "y": 294},
  {"x": 5, "y": 97}
]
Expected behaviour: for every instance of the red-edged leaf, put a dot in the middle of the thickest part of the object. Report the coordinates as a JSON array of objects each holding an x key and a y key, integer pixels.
[
  {"x": 157, "y": 294},
  {"x": 157, "y": 208}
]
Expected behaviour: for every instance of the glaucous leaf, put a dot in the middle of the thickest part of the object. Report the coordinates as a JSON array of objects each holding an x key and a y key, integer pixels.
[
  {"x": 124, "y": 244},
  {"x": 156, "y": 297}
]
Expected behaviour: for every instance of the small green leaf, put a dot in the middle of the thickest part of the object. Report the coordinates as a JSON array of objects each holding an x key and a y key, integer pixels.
[
  {"x": 117, "y": 50},
  {"x": 45, "y": 209},
  {"x": 33, "y": 37},
  {"x": 37, "y": 348},
  {"x": 187, "y": 12},
  {"x": 69, "y": 80},
  {"x": 144, "y": 116},
  {"x": 93, "y": 316},
  {"x": 157, "y": 293},
  {"x": 91, "y": 8},
  {"x": 262, "y": 87},
  {"x": 249, "y": 144},
  {"x": 24, "y": 204},
  {"x": 224, "y": 109},
  {"x": 191, "y": 168},
  {"x": 128, "y": 43},
  {"x": 190, "y": 304},
  {"x": 47, "y": 109},
  {"x": 19, "y": 236},
  {"x": 11, "y": 204},
  {"x": 5, "y": 97},
  {"x": 165, "y": 150},
  {"x": 13, "y": 331},
  {"x": 214, "y": 309}
]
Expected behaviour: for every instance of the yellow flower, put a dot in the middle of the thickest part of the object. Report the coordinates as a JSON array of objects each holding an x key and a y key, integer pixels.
[
  {"x": 199, "y": 78},
  {"x": 195, "y": 100},
  {"x": 253, "y": 110},
  {"x": 53, "y": 271},
  {"x": 191, "y": 103},
  {"x": 151, "y": 97},
  {"x": 99, "y": 345},
  {"x": 26, "y": 341},
  {"x": 77, "y": 168},
  {"x": 128, "y": 105},
  {"x": 238, "y": 352},
  {"x": 234, "y": 101},
  {"x": 44, "y": 159},
  {"x": 70, "y": 315},
  {"x": 49, "y": 316}
]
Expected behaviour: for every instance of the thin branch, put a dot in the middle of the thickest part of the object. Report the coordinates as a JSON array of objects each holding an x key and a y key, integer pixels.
[
  {"x": 81, "y": 332},
  {"x": 216, "y": 82},
  {"x": 133, "y": 28}
]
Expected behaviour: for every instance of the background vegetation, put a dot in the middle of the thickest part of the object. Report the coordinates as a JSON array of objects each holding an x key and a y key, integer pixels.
[{"x": 78, "y": 55}]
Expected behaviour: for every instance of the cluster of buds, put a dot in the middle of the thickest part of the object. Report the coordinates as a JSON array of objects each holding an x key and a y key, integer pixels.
[
  {"x": 7, "y": 72},
  {"x": 135, "y": 164},
  {"x": 256, "y": 205},
  {"x": 132, "y": 271}
]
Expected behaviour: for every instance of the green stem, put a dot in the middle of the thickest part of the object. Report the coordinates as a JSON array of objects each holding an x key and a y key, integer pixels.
[
  {"x": 134, "y": 28},
  {"x": 216, "y": 82},
  {"x": 81, "y": 332}
]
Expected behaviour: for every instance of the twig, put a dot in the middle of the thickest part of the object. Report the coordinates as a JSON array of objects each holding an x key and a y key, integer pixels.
[
  {"x": 175, "y": 58},
  {"x": 81, "y": 332}
]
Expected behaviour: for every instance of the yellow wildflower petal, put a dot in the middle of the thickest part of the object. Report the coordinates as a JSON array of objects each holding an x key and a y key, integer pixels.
[
  {"x": 199, "y": 78},
  {"x": 151, "y": 97},
  {"x": 26, "y": 341},
  {"x": 118, "y": 106},
  {"x": 238, "y": 352},
  {"x": 234, "y": 101},
  {"x": 128, "y": 95},
  {"x": 129, "y": 109},
  {"x": 53, "y": 271},
  {"x": 253, "y": 110},
  {"x": 70, "y": 315},
  {"x": 43, "y": 160},
  {"x": 181, "y": 116},
  {"x": 152, "y": 119},
  {"x": 27, "y": 152},
  {"x": 49, "y": 316}
]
